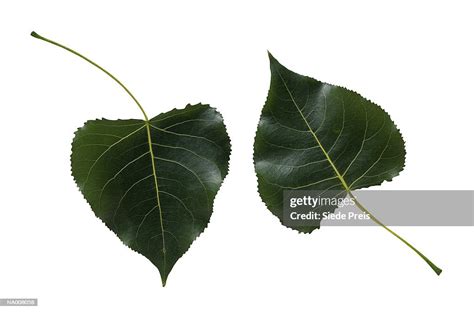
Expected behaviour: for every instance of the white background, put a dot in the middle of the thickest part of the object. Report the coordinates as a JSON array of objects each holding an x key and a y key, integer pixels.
[{"x": 415, "y": 59}]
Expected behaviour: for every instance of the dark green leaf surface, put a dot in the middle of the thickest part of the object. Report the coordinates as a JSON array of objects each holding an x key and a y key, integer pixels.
[
  {"x": 157, "y": 209},
  {"x": 317, "y": 136}
]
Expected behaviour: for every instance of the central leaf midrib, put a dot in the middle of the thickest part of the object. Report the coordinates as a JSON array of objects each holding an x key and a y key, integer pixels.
[{"x": 155, "y": 177}]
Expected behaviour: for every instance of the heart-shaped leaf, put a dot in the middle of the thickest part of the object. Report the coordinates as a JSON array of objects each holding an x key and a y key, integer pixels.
[
  {"x": 317, "y": 136},
  {"x": 156, "y": 199},
  {"x": 152, "y": 182}
]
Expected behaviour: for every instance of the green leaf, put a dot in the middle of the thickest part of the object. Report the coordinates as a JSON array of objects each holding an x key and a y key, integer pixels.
[
  {"x": 317, "y": 136},
  {"x": 152, "y": 182},
  {"x": 156, "y": 200}
]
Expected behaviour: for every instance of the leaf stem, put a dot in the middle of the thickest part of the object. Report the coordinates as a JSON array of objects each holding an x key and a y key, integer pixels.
[
  {"x": 150, "y": 144},
  {"x": 343, "y": 181},
  {"x": 436, "y": 269},
  {"x": 34, "y": 34}
]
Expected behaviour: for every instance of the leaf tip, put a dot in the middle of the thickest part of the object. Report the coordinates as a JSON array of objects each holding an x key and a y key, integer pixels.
[
  {"x": 34, "y": 34},
  {"x": 272, "y": 58},
  {"x": 274, "y": 63},
  {"x": 164, "y": 278}
]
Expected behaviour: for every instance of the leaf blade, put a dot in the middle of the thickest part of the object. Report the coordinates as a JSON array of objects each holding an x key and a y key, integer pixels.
[
  {"x": 344, "y": 132},
  {"x": 121, "y": 191}
]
